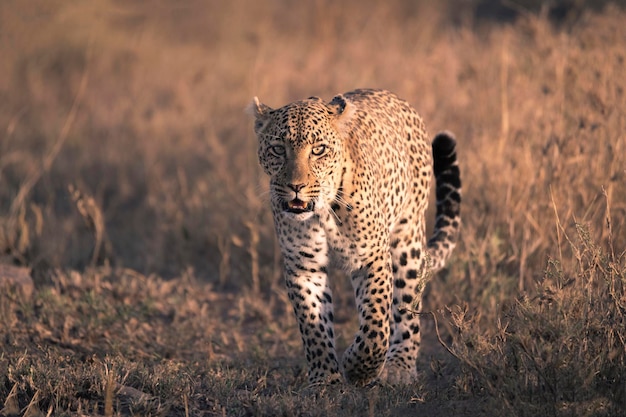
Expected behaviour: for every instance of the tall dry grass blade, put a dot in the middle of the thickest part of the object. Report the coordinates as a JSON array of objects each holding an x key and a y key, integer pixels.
[
  {"x": 609, "y": 223},
  {"x": 559, "y": 226},
  {"x": 109, "y": 389},
  {"x": 504, "y": 91},
  {"x": 92, "y": 214},
  {"x": 15, "y": 229},
  {"x": 11, "y": 405},
  {"x": 32, "y": 409},
  {"x": 371, "y": 400},
  {"x": 49, "y": 159},
  {"x": 439, "y": 339},
  {"x": 254, "y": 256},
  {"x": 223, "y": 245}
]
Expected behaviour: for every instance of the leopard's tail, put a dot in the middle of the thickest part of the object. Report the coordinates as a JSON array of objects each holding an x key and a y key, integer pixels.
[{"x": 448, "y": 183}]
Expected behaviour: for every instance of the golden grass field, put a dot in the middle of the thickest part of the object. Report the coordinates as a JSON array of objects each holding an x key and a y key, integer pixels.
[{"x": 133, "y": 209}]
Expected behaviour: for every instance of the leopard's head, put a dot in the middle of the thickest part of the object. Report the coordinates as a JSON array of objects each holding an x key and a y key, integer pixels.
[{"x": 302, "y": 150}]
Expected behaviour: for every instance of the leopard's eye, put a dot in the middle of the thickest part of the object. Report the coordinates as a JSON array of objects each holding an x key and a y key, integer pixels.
[
  {"x": 278, "y": 150},
  {"x": 319, "y": 150}
]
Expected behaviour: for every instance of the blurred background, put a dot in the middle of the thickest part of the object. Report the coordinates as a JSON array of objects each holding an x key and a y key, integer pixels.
[
  {"x": 124, "y": 139},
  {"x": 130, "y": 191}
]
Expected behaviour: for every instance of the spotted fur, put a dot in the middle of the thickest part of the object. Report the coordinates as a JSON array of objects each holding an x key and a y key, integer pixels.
[{"x": 353, "y": 176}]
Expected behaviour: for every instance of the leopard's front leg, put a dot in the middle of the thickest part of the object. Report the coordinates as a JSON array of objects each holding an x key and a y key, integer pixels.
[
  {"x": 363, "y": 361},
  {"x": 305, "y": 254}
]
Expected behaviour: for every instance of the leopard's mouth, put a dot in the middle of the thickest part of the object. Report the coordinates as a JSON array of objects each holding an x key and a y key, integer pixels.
[{"x": 298, "y": 206}]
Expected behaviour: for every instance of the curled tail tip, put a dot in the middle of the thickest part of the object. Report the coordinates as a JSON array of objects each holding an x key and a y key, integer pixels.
[
  {"x": 444, "y": 159},
  {"x": 448, "y": 191},
  {"x": 444, "y": 140}
]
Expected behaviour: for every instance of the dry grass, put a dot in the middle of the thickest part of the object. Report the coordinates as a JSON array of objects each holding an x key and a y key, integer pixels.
[{"x": 129, "y": 186}]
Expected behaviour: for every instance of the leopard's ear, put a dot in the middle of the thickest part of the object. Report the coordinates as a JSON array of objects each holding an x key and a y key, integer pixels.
[
  {"x": 260, "y": 112},
  {"x": 342, "y": 109},
  {"x": 337, "y": 105}
]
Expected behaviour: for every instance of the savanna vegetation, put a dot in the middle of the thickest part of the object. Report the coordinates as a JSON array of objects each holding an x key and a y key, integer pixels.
[{"x": 138, "y": 267}]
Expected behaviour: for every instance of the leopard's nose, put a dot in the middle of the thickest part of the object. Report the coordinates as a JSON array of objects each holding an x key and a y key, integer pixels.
[{"x": 296, "y": 187}]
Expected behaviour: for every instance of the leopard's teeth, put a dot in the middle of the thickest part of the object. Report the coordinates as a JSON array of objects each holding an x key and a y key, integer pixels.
[{"x": 298, "y": 206}]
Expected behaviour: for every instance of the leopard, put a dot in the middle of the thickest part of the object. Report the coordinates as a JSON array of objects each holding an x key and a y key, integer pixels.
[{"x": 349, "y": 186}]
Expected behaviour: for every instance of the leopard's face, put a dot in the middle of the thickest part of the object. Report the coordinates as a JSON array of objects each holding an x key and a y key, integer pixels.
[{"x": 300, "y": 149}]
